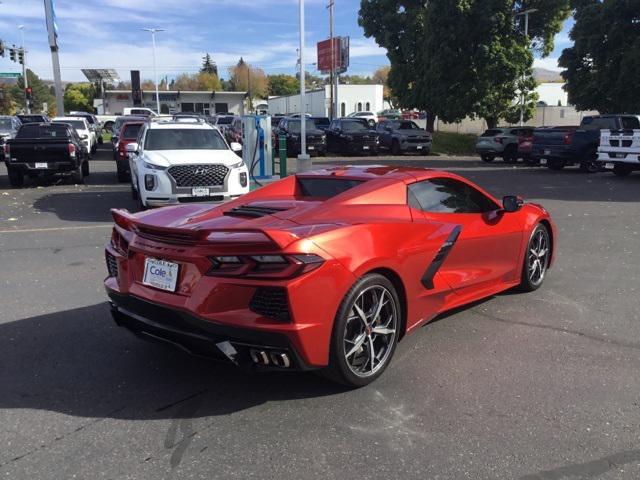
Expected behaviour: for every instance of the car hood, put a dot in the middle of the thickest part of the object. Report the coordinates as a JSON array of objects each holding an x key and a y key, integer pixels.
[
  {"x": 166, "y": 158},
  {"x": 5, "y": 132}
]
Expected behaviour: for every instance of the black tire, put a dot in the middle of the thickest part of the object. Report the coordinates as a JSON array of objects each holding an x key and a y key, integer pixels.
[
  {"x": 134, "y": 192},
  {"x": 529, "y": 281},
  {"x": 395, "y": 148},
  {"x": 589, "y": 163},
  {"x": 122, "y": 174},
  {"x": 16, "y": 177},
  {"x": 621, "y": 170},
  {"x": 487, "y": 158},
  {"x": 510, "y": 155},
  {"x": 141, "y": 206},
  {"x": 555, "y": 165},
  {"x": 100, "y": 140},
  {"x": 85, "y": 168},
  {"x": 339, "y": 369},
  {"x": 76, "y": 175}
]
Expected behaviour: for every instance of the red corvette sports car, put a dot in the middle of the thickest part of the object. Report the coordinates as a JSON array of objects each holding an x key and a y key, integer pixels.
[{"x": 322, "y": 270}]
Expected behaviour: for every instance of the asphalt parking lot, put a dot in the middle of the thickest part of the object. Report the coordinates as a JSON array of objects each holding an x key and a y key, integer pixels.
[{"x": 521, "y": 386}]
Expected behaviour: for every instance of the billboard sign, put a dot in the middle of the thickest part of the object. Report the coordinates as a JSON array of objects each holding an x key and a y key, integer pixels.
[
  {"x": 52, "y": 24},
  {"x": 336, "y": 49}
]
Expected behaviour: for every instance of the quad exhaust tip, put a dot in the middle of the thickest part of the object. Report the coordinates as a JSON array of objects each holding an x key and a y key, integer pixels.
[{"x": 274, "y": 358}]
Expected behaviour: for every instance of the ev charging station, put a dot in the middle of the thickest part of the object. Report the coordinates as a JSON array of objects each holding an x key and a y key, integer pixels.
[{"x": 256, "y": 146}]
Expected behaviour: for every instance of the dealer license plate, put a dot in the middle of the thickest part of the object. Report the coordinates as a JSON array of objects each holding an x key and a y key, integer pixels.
[
  {"x": 620, "y": 155},
  {"x": 543, "y": 161},
  {"x": 200, "y": 192},
  {"x": 160, "y": 274},
  {"x": 42, "y": 165},
  {"x": 311, "y": 147},
  {"x": 419, "y": 147},
  {"x": 366, "y": 147},
  {"x": 547, "y": 152},
  {"x": 609, "y": 166}
]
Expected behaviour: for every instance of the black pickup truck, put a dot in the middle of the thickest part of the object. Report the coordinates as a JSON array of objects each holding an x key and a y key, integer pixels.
[
  {"x": 558, "y": 147},
  {"x": 45, "y": 149}
]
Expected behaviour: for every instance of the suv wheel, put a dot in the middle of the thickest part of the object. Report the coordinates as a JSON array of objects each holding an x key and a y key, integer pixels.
[
  {"x": 122, "y": 173},
  {"x": 555, "y": 165},
  {"x": 590, "y": 162},
  {"x": 85, "y": 168},
  {"x": 510, "y": 154},
  {"x": 395, "y": 147},
  {"x": 76, "y": 175},
  {"x": 621, "y": 170},
  {"x": 16, "y": 177},
  {"x": 487, "y": 158}
]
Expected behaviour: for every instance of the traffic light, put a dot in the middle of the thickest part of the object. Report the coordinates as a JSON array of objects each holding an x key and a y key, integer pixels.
[
  {"x": 28, "y": 92},
  {"x": 12, "y": 54},
  {"x": 21, "y": 56},
  {"x": 1, "y": 48}
]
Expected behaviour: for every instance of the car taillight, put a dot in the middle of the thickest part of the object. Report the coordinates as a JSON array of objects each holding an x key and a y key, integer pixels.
[
  {"x": 7, "y": 152},
  {"x": 498, "y": 139},
  {"x": 261, "y": 266},
  {"x": 72, "y": 150},
  {"x": 119, "y": 242},
  {"x": 567, "y": 138}
]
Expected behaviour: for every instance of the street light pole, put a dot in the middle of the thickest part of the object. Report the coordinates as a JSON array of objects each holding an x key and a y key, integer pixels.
[
  {"x": 526, "y": 35},
  {"x": 153, "y": 32},
  {"x": 304, "y": 161},
  {"x": 332, "y": 113},
  {"x": 24, "y": 68}
]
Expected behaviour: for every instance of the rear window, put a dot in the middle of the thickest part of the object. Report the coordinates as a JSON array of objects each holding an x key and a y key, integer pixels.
[
  {"x": 492, "y": 132},
  {"x": 43, "y": 131},
  {"x": 131, "y": 131},
  {"x": 321, "y": 122},
  {"x": 224, "y": 121},
  {"x": 32, "y": 118},
  {"x": 630, "y": 123},
  {"x": 325, "y": 187}
]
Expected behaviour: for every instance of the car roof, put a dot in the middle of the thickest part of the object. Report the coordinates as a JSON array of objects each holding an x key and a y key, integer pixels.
[
  {"x": 68, "y": 118},
  {"x": 174, "y": 125}
]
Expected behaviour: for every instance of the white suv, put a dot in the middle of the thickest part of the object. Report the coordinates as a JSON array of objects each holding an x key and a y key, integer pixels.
[
  {"x": 86, "y": 133},
  {"x": 184, "y": 161}
]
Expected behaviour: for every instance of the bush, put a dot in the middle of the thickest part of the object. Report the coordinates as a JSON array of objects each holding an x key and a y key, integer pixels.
[{"x": 447, "y": 143}]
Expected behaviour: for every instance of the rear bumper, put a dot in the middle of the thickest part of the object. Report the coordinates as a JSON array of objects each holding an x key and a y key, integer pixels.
[
  {"x": 52, "y": 167},
  {"x": 630, "y": 159},
  {"x": 199, "y": 337},
  {"x": 564, "y": 155}
]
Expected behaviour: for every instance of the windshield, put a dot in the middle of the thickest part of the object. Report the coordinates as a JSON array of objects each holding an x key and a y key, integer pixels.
[
  {"x": 224, "y": 120},
  {"x": 77, "y": 124},
  {"x": 5, "y": 124},
  {"x": 353, "y": 127},
  {"x": 184, "y": 139},
  {"x": 32, "y": 118},
  {"x": 294, "y": 125},
  {"x": 322, "y": 122},
  {"x": 407, "y": 126}
]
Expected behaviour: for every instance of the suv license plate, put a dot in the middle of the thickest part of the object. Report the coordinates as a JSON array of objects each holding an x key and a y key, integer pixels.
[
  {"x": 543, "y": 161},
  {"x": 609, "y": 166},
  {"x": 419, "y": 147},
  {"x": 366, "y": 147},
  {"x": 620, "y": 155},
  {"x": 311, "y": 147},
  {"x": 200, "y": 192},
  {"x": 160, "y": 274},
  {"x": 42, "y": 165},
  {"x": 547, "y": 152}
]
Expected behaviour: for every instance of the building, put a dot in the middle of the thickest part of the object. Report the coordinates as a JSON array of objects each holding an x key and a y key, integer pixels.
[
  {"x": 175, "y": 101},
  {"x": 351, "y": 98}
]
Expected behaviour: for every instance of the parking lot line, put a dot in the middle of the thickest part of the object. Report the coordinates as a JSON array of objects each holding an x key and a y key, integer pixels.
[{"x": 56, "y": 229}]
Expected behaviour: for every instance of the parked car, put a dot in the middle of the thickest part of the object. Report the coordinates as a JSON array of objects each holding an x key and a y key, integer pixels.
[
  {"x": 501, "y": 142},
  {"x": 557, "y": 149},
  {"x": 525, "y": 145},
  {"x": 33, "y": 118},
  {"x": 290, "y": 128},
  {"x": 401, "y": 136},
  {"x": 145, "y": 112},
  {"x": 276, "y": 118},
  {"x": 119, "y": 121},
  {"x": 233, "y": 131},
  {"x": 325, "y": 270},
  {"x": 45, "y": 149},
  {"x": 93, "y": 122},
  {"x": 322, "y": 123},
  {"x": 178, "y": 162},
  {"x": 390, "y": 114},
  {"x": 350, "y": 135},
  {"x": 371, "y": 117},
  {"x": 619, "y": 150},
  {"x": 9, "y": 126},
  {"x": 128, "y": 134},
  {"x": 84, "y": 131}
]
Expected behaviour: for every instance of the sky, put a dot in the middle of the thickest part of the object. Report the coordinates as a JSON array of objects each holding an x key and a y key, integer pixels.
[{"x": 107, "y": 34}]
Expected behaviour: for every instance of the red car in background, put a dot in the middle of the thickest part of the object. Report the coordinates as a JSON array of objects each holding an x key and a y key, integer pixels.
[
  {"x": 322, "y": 270},
  {"x": 525, "y": 144},
  {"x": 128, "y": 134}
]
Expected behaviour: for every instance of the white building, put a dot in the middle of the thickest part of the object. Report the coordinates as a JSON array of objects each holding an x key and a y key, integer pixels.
[
  {"x": 175, "y": 101},
  {"x": 351, "y": 98},
  {"x": 552, "y": 94}
]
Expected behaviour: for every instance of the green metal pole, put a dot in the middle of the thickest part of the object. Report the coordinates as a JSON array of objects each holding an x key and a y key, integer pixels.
[{"x": 282, "y": 144}]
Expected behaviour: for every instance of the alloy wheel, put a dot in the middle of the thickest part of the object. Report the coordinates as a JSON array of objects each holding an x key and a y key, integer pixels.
[
  {"x": 538, "y": 258},
  {"x": 370, "y": 331}
]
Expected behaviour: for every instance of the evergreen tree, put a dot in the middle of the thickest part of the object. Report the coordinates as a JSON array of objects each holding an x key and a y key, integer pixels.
[{"x": 209, "y": 66}]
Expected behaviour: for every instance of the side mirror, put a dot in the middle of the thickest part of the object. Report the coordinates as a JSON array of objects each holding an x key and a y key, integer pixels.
[
  {"x": 236, "y": 147},
  {"x": 132, "y": 147},
  {"x": 512, "y": 203}
]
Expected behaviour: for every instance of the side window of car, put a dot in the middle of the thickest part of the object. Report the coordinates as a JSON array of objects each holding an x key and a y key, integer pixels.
[
  {"x": 447, "y": 195},
  {"x": 630, "y": 123}
]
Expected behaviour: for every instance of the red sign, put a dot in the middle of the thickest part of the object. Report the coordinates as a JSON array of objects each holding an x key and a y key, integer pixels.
[{"x": 324, "y": 55}]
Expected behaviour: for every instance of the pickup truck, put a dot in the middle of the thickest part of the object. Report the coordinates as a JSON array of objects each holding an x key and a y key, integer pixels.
[
  {"x": 619, "y": 150},
  {"x": 45, "y": 149},
  {"x": 558, "y": 147}
]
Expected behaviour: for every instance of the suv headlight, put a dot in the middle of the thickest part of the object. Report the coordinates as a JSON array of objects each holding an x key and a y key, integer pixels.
[
  {"x": 151, "y": 166},
  {"x": 237, "y": 165}
]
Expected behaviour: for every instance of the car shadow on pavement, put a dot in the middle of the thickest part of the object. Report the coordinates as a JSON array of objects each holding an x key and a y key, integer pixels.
[
  {"x": 79, "y": 363},
  {"x": 84, "y": 206}
]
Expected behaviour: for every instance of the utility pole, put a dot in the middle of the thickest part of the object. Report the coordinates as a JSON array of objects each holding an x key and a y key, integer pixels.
[
  {"x": 250, "y": 102},
  {"x": 526, "y": 35},
  {"x": 24, "y": 68},
  {"x": 153, "y": 32},
  {"x": 332, "y": 113},
  {"x": 304, "y": 161}
]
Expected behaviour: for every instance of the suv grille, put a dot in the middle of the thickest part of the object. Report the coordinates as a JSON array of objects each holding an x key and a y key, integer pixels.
[
  {"x": 271, "y": 303},
  {"x": 198, "y": 175}
]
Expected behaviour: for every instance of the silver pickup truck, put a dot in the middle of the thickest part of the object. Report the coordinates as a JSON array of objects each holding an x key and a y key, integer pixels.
[{"x": 619, "y": 150}]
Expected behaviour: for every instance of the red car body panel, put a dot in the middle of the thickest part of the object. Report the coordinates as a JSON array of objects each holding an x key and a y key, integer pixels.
[
  {"x": 368, "y": 227},
  {"x": 124, "y": 141}
]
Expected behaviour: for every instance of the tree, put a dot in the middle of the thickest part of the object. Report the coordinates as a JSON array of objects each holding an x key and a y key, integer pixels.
[
  {"x": 603, "y": 66},
  {"x": 208, "y": 81},
  {"x": 40, "y": 92},
  {"x": 283, "y": 84},
  {"x": 244, "y": 77},
  {"x": 147, "y": 85},
  {"x": 7, "y": 105},
  {"x": 381, "y": 77},
  {"x": 79, "y": 96},
  {"x": 208, "y": 65},
  {"x": 355, "y": 80},
  {"x": 458, "y": 58}
]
